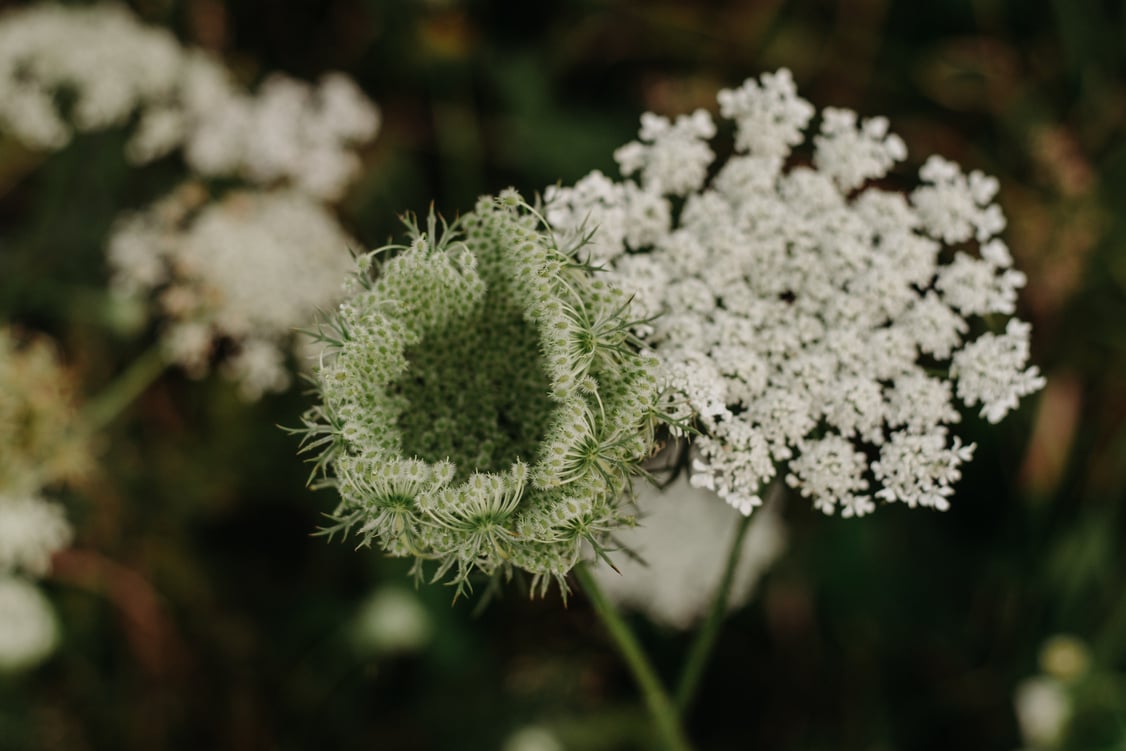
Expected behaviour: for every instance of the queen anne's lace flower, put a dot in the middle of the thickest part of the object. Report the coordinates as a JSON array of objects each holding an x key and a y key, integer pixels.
[
  {"x": 806, "y": 316},
  {"x": 247, "y": 270},
  {"x": 483, "y": 403},
  {"x": 113, "y": 68},
  {"x": 678, "y": 552}
]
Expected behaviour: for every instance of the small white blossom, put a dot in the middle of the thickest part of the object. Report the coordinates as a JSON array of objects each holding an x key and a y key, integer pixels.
[
  {"x": 31, "y": 531},
  {"x": 991, "y": 371},
  {"x": 851, "y": 153},
  {"x": 920, "y": 470},
  {"x": 807, "y": 316},
  {"x": 919, "y": 402},
  {"x": 831, "y": 472},
  {"x": 671, "y": 157},
  {"x": 954, "y": 207},
  {"x": 973, "y": 287},
  {"x": 734, "y": 464},
  {"x": 768, "y": 114}
]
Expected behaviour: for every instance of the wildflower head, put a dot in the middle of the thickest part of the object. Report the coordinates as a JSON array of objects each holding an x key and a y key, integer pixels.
[
  {"x": 482, "y": 401},
  {"x": 244, "y": 271},
  {"x": 811, "y": 319}
]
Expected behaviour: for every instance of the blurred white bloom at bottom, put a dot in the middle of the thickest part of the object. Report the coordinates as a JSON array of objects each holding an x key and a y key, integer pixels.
[
  {"x": 391, "y": 620},
  {"x": 29, "y": 631},
  {"x": 683, "y": 537},
  {"x": 533, "y": 738},
  {"x": 1043, "y": 710}
]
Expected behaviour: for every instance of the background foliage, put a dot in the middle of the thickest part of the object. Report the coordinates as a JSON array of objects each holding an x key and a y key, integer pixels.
[{"x": 198, "y": 610}]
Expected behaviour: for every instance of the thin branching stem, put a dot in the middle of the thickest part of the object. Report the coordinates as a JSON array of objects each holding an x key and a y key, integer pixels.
[
  {"x": 122, "y": 391},
  {"x": 665, "y": 718},
  {"x": 700, "y": 652}
]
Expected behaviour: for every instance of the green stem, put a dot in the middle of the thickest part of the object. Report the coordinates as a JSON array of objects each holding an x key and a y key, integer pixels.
[
  {"x": 657, "y": 699},
  {"x": 700, "y": 651},
  {"x": 120, "y": 393}
]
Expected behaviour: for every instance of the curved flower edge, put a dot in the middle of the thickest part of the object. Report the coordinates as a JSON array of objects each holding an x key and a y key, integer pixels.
[{"x": 434, "y": 460}]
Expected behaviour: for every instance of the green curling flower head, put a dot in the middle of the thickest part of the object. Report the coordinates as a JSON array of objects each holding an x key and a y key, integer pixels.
[{"x": 483, "y": 402}]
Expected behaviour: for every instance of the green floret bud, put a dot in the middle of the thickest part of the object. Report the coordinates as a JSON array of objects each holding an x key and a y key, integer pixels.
[{"x": 483, "y": 402}]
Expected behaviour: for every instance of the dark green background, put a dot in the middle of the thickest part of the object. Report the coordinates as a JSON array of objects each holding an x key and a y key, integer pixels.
[{"x": 221, "y": 623}]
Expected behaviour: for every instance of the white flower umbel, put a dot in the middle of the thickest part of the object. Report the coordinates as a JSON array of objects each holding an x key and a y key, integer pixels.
[
  {"x": 679, "y": 550},
  {"x": 808, "y": 316},
  {"x": 115, "y": 69},
  {"x": 31, "y": 531},
  {"x": 483, "y": 404},
  {"x": 29, "y": 630},
  {"x": 246, "y": 270},
  {"x": 99, "y": 56}
]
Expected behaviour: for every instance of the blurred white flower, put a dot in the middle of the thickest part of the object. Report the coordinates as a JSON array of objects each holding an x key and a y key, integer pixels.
[
  {"x": 248, "y": 270},
  {"x": 391, "y": 620},
  {"x": 533, "y": 738},
  {"x": 29, "y": 631},
  {"x": 31, "y": 531},
  {"x": 115, "y": 68},
  {"x": 289, "y": 132},
  {"x": 807, "y": 317},
  {"x": 1043, "y": 710},
  {"x": 681, "y": 542},
  {"x": 99, "y": 55}
]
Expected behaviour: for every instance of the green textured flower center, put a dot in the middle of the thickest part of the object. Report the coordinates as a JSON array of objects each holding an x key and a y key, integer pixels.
[{"x": 477, "y": 392}]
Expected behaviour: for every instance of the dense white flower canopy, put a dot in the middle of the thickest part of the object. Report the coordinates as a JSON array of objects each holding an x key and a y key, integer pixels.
[{"x": 812, "y": 319}]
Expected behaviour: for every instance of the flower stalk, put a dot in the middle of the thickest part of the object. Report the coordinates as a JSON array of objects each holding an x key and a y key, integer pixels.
[
  {"x": 121, "y": 392},
  {"x": 699, "y": 654},
  {"x": 661, "y": 708}
]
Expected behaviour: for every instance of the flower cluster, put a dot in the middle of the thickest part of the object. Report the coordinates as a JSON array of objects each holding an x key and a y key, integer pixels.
[
  {"x": 113, "y": 69},
  {"x": 483, "y": 403},
  {"x": 678, "y": 551},
  {"x": 810, "y": 317},
  {"x": 246, "y": 271},
  {"x": 41, "y": 443}
]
